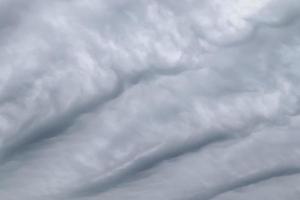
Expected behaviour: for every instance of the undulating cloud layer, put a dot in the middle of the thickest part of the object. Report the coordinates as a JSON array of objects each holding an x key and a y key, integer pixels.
[{"x": 149, "y": 99}]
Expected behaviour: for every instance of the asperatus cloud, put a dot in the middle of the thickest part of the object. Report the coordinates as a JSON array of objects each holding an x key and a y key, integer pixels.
[{"x": 149, "y": 99}]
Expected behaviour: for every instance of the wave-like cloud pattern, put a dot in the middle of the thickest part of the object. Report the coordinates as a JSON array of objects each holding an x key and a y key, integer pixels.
[{"x": 149, "y": 99}]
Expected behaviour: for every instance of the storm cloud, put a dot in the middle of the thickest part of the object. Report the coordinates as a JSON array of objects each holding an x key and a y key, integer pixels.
[{"x": 149, "y": 99}]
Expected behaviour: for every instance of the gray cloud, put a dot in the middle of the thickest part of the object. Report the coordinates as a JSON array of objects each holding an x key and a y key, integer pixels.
[{"x": 149, "y": 99}]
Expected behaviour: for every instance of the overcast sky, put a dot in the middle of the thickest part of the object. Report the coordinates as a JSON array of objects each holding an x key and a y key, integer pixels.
[{"x": 149, "y": 99}]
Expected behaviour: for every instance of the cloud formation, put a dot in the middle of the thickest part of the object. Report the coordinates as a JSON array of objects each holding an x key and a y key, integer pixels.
[{"x": 149, "y": 99}]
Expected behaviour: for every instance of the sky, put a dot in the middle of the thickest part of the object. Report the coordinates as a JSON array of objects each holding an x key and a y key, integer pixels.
[{"x": 149, "y": 99}]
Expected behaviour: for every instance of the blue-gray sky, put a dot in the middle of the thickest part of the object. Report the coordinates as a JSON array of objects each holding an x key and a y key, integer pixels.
[{"x": 149, "y": 99}]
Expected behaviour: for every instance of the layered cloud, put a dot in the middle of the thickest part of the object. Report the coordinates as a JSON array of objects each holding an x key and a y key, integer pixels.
[{"x": 149, "y": 99}]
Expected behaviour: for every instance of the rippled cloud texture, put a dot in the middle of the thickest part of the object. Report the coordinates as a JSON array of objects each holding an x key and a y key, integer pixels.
[{"x": 149, "y": 99}]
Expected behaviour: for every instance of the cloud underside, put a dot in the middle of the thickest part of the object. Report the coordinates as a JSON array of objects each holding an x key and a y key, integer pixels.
[{"x": 149, "y": 99}]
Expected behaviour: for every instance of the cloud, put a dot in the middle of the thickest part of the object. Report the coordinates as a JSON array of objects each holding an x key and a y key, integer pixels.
[{"x": 149, "y": 99}]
